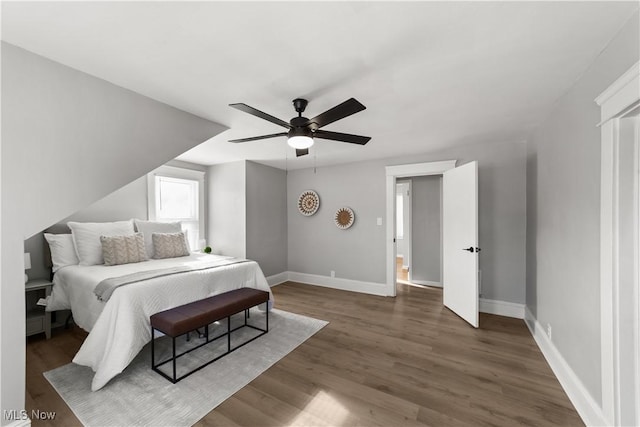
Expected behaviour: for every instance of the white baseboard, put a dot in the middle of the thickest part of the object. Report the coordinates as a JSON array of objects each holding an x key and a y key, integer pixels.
[
  {"x": 590, "y": 412},
  {"x": 502, "y": 308},
  {"x": 277, "y": 279},
  {"x": 427, "y": 283},
  {"x": 338, "y": 283}
]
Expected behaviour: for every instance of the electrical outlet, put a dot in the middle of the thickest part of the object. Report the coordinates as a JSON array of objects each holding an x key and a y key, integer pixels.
[
  {"x": 549, "y": 331},
  {"x": 333, "y": 273}
]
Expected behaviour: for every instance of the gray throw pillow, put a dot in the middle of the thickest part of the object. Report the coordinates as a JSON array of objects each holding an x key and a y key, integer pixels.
[
  {"x": 169, "y": 245},
  {"x": 123, "y": 249}
]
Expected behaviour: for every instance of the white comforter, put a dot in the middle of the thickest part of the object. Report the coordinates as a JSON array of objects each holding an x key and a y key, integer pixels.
[{"x": 119, "y": 328}]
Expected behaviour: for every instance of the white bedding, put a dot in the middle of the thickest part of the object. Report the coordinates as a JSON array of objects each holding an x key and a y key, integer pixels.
[{"x": 119, "y": 328}]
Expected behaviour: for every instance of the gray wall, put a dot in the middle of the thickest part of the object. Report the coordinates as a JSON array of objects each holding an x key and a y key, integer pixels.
[
  {"x": 317, "y": 246},
  {"x": 68, "y": 140},
  {"x": 247, "y": 213},
  {"x": 267, "y": 217},
  {"x": 426, "y": 235},
  {"x": 227, "y": 209},
  {"x": 563, "y": 216}
]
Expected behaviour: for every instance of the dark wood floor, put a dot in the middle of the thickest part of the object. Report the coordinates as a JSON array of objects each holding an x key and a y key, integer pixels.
[{"x": 380, "y": 361}]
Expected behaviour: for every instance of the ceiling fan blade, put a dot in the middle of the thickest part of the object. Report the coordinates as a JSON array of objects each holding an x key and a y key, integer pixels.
[
  {"x": 343, "y": 137},
  {"x": 302, "y": 152},
  {"x": 255, "y": 138},
  {"x": 340, "y": 111},
  {"x": 262, "y": 115}
]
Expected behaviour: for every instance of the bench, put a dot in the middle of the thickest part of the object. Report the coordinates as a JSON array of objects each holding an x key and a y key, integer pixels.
[{"x": 183, "y": 319}]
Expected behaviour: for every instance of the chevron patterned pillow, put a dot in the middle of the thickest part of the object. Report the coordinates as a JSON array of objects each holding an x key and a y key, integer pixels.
[
  {"x": 169, "y": 245},
  {"x": 123, "y": 249}
]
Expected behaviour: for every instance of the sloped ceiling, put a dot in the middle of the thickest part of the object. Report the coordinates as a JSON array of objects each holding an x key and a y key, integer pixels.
[{"x": 432, "y": 74}]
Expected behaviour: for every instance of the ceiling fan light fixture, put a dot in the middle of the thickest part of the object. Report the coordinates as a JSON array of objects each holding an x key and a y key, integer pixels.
[
  {"x": 300, "y": 142},
  {"x": 299, "y": 138}
]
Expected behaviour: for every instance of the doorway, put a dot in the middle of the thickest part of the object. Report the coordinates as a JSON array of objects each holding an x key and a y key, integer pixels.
[
  {"x": 459, "y": 232},
  {"x": 403, "y": 231},
  {"x": 419, "y": 230}
]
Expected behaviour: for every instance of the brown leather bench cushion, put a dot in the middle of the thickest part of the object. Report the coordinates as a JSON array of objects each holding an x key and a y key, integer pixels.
[{"x": 182, "y": 319}]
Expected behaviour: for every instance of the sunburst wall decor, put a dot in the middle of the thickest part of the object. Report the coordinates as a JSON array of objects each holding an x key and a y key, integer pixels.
[
  {"x": 344, "y": 218},
  {"x": 308, "y": 202}
]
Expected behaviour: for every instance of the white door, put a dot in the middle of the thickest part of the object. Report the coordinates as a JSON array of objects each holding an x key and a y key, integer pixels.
[{"x": 460, "y": 241}]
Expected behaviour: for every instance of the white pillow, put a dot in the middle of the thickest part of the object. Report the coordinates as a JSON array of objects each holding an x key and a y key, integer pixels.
[
  {"x": 63, "y": 251},
  {"x": 86, "y": 238},
  {"x": 147, "y": 228}
]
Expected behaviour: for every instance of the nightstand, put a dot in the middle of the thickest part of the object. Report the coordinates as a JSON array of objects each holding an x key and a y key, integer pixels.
[{"x": 38, "y": 320}]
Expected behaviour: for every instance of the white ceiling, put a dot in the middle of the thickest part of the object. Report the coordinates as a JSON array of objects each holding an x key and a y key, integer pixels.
[{"x": 432, "y": 74}]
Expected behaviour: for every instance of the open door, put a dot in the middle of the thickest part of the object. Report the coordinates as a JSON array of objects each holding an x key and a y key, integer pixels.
[{"x": 460, "y": 241}]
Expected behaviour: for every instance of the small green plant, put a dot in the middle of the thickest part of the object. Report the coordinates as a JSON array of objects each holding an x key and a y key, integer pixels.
[{"x": 207, "y": 250}]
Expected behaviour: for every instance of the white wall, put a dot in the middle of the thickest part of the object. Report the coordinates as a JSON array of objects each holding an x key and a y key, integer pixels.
[
  {"x": 68, "y": 139},
  {"x": 227, "y": 209},
  {"x": 563, "y": 215},
  {"x": 317, "y": 246}
]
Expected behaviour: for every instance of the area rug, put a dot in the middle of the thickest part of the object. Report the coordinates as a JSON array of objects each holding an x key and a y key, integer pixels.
[{"x": 142, "y": 397}]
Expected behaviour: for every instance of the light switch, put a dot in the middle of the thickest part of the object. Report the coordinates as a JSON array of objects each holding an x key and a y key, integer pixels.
[{"x": 379, "y": 221}]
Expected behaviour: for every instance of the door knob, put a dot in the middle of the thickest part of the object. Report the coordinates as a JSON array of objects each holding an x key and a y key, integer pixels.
[{"x": 470, "y": 249}]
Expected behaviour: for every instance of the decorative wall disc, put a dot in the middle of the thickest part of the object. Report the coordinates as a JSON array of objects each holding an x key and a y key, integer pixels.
[
  {"x": 344, "y": 218},
  {"x": 308, "y": 202}
]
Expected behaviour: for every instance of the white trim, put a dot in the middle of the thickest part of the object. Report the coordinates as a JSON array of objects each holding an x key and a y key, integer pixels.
[
  {"x": 338, "y": 283},
  {"x": 502, "y": 308},
  {"x": 276, "y": 279},
  {"x": 180, "y": 173},
  {"x": 587, "y": 408},
  {"x": 392, "y": 173},
  {"x": 409, "y": 227},
  {"x": 620, "y": 95},
  {"x": 614, "y": 102},
  {"x": 420, "y": 169},
  {"x": 636, "y": 273},
  {"x": 427, "y": 283}
]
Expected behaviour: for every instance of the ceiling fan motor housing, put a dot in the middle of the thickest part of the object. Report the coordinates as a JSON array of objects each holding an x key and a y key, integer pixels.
[{"x": 300, "y": 104}]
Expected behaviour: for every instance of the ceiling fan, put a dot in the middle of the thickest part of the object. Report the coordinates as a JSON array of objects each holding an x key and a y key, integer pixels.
[{"x": 302, "y": 131}]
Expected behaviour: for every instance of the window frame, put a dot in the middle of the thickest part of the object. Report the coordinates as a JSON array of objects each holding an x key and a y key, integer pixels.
[{"x": 178, "y": 173}]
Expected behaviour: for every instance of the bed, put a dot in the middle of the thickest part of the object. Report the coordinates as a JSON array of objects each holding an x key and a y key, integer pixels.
[{"x": 119, "y": 327}]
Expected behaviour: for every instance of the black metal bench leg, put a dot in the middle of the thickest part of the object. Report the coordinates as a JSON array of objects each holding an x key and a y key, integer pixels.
[
  {"x": 228, "y": 333},
  {"x": 153, "y": 352},
  {"x": 173, "y": 341}
]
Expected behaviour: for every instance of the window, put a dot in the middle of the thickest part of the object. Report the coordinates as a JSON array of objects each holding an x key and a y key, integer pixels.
[{"x": 177, "y": 194}]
